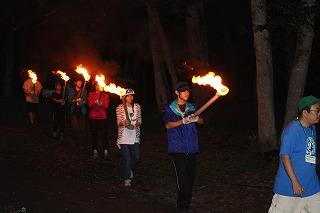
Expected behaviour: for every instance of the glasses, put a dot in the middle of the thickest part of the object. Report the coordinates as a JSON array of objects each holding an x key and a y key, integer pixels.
[{"x": 315, "y": 110}]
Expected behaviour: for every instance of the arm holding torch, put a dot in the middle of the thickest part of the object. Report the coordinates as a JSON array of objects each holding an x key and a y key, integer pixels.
[
  {"x": 36, "y": 88},
  {"x": 64, "y": 92},
  {"x": 80, "y": 98},
  {"x": 33, "y": 89},
  {"x": 220, "y": 92},
  {"x": 98, "y": 102},
  {"x": 194, "y": 117}
]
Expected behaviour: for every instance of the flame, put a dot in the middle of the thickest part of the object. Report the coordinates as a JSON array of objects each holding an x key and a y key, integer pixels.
[
  {"x": 33, "y": 76},
  {"x": 212, "y": 80},
  {"x": 100, "y": 79},
  {"x": 63, "y": 75},
  {"x": 112, "y": 88},
  {"x": 83, "y": 71}
]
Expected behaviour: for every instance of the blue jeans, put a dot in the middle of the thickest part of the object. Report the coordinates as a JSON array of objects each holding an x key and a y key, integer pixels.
[{"x": 130, "y": 155}]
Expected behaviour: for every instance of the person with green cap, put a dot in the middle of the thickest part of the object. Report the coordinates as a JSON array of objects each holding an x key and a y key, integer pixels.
[{"x": 297, "y": 186}]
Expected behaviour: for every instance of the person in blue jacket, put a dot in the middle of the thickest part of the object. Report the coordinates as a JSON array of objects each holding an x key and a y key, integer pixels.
[
  {"x": 297, "y": 186},
  {"x": 182, "y": 137}
]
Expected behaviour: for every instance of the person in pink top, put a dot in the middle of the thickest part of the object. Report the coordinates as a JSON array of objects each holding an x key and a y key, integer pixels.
[{"x": 98, "y": 102}]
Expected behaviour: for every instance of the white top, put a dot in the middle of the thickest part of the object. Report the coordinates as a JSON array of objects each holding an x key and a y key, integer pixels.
[{"x": 125, "y": 135}]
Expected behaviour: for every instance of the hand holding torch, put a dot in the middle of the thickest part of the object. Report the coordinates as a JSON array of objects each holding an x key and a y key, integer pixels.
[
  {"x": 65, "y": 78},
  {"x": 83, "y": 71},
  {"x": 34, "y": 78}
]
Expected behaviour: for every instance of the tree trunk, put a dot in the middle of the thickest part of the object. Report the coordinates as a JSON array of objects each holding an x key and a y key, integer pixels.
[
  {"x": 160, "y": 83},
  {"x": 9, "y": 65},
  {"x": 264, "y": 78},
  {"x": 153, "y": 14},
  {"x": 197, "y": 35},
  {"x": 300, "y": 66}
]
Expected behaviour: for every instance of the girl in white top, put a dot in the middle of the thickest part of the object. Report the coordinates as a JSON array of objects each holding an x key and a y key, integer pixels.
[{"x": 129, "y": 122}]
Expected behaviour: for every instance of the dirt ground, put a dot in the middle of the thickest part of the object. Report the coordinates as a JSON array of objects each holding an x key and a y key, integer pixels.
[{"x": 41, "y": 174}]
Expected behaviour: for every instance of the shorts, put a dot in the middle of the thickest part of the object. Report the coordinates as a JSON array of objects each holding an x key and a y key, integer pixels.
[
  {"x": 285, "y": 204},
  {"x": 32, "y": 107}
]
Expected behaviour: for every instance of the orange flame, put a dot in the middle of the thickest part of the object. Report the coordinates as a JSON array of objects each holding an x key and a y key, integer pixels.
[
  {"x": 212, "y": 80},
  {"x": 63, "y": 75},
  {"x": 83, "y": 71},
  {"x": 33, "y": 76},
  {"x": 112, "y": 88},
  {"x": 100, "y": 79}
]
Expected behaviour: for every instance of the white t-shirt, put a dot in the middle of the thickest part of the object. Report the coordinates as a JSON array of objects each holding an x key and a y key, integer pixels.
[{"x": 129, "y": 136}]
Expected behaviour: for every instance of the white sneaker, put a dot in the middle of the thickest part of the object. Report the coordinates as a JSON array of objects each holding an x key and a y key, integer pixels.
[
  {"x": 131, "y": 174},
  {"x": 127, "y": 183},
  {"x": 105, "y": 154},
  {"x": 95, "y": 154}
]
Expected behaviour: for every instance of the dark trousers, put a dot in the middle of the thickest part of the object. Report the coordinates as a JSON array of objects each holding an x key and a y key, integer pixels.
[
  {"x": 58, "y": 120},
  {"x": 185, "y": 168},
  {"x": 130, "y": 155},
  {"x": 78, "y": 123},
  {"x": 99, "y": 133}
]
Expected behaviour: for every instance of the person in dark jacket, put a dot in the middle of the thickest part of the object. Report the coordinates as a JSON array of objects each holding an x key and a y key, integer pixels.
[
  {"x": 58, "y": 116},
  {"x": 77, "y": 98},
  {"x": 183, "y": 147}
]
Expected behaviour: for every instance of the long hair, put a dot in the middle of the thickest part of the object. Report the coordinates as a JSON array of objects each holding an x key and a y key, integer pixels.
[{"x": 124, "y": 102}]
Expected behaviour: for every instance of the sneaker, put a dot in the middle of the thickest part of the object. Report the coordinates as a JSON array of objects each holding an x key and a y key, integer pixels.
[
  {"x": 131, "y": 174},
  {"x": 54, "y": 134},
  {"x": 95, "y": 154},
  {"x": 127, "y": 183},
  {"x": 105, "y": 154}
]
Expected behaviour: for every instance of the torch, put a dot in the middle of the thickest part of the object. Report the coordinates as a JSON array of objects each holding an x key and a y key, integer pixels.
[
  {"x": 112, "y": 88},
  {"x": 215, "y": 82},
  {"x": 100, "y": 80},
  {"x": 34, "y": 78},
  {"x": 84, "y": 72},
  {"x": 65, "y": 78}
]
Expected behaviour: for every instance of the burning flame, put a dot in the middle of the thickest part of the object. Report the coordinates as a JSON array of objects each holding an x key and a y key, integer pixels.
[
  {"x": 212, "y": 80},
  {"x": 63, "y": 75},
  {"x": 100, "y": 79},
  {"x": 33, "y": 76},
  {"x": 112, "y": 88},
  {"x": 83, "y": 71}
]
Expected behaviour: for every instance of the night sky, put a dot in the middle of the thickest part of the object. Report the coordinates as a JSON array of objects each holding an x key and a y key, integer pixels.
[{"x": 111, "y": 37}]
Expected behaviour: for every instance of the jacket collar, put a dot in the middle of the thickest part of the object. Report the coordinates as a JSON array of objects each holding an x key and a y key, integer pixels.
[{"x": 176, "y": 110}]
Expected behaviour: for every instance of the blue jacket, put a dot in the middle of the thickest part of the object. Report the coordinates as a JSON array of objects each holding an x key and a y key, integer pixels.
[{"x": 184, "y": 138}]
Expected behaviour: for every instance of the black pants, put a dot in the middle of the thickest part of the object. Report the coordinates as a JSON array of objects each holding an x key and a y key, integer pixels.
[
  {"x": 99, "y": 132},
  {"x": 185, "y": 168},
  {"x": 58, "y": 120}
]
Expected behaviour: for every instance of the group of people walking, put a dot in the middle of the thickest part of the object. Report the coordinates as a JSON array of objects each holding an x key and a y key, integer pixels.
[
  {"x": 94, "y": 106},
  {"x": 297, "y": 185},
  {"x": 177, "y": 116}
]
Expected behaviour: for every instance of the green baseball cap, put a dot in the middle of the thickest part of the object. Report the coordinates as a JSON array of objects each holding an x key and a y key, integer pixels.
[{"x": 308, "y": 101}]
